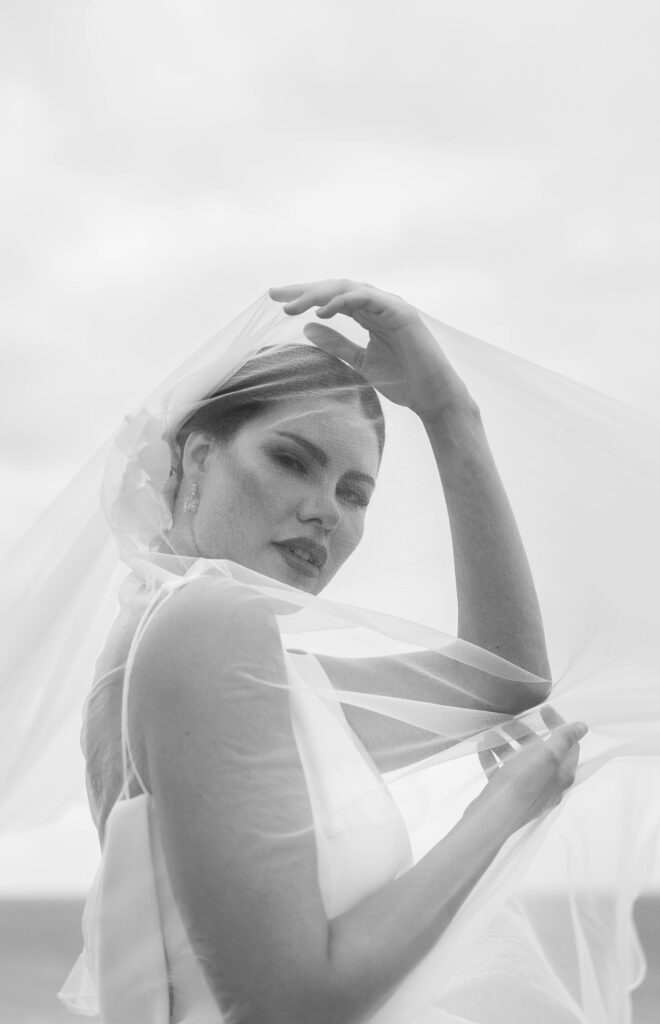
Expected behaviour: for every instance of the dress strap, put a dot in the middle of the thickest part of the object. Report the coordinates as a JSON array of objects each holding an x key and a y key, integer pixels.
[{"x": 164, "y": 592}]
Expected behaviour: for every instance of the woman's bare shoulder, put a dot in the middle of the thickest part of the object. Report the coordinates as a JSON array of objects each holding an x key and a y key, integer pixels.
[
  {"x": 198, "y": 621},
  {"x": 205, "y": 658}
]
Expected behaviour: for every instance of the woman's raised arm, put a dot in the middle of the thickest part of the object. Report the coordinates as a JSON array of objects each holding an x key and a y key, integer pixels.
[
  {"x": 497, "y": 604},
  {"x": 498, "y": 607},
  {"x": 210, "y": 728}
]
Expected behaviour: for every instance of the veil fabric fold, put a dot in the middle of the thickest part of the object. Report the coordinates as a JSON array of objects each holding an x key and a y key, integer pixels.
[{"x": 582, "y": 472}]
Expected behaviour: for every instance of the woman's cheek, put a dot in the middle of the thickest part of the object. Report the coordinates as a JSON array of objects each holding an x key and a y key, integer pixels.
[
  {"x": 259, "y": 490},
  {"x": 354, "y": 534}
]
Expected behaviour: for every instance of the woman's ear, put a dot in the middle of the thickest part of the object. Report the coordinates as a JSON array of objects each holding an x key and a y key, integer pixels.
[{"x": 196, "y": 450}]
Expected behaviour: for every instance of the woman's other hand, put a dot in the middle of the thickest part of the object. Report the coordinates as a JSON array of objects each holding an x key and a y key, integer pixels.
[
  {"x": 532, "y": 774},
  {"x": 402, "y": 359}
]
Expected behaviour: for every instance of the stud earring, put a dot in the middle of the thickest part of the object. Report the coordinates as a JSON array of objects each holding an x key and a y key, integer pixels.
[{"x": 191, "y": 504}]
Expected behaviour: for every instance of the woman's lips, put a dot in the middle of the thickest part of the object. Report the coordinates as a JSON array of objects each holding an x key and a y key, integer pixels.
[{"x": 301, "y": 565}]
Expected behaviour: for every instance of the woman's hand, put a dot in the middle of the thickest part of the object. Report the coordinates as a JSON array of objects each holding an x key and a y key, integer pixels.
[
  {"x": 402, "y": 359},
  {"x": 534, "y": 774}
]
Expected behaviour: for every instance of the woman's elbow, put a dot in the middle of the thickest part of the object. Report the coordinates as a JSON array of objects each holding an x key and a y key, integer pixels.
[
  {"x": 515, "y": 696},
  {"x": 530, "y": 694}
]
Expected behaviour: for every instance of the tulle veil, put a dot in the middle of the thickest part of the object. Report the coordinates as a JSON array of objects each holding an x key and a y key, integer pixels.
[{"x": 582, "y": 472}]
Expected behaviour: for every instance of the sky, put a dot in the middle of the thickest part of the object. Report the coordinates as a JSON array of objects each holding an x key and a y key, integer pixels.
[{"x": 165, "y": 162}]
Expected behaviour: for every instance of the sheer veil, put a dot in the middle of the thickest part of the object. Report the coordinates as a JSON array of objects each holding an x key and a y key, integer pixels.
[{"x": 582, "y": 472}]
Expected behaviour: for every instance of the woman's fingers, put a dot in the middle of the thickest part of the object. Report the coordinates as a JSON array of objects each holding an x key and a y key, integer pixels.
[
  {"x": 551, "y": 717},
  {"x": 553, "y": 759},
  {"x": 287, "y": 292},
  {"x": 519, "y": 731},
  {"x": 564, "y": 738},
  {"x": 493, "y": 754},
  {"x": 488, "y": 761},
  {"x": 337, "y": 296},
  {"x": 492, "y": 745},
  {"x": 352, "y": 302},
  {"x": 335, "y": 344},
  {"x": 300, "y": 297},
  {"x": 564, "y": 741},
  {"x": 517, "y": 734}
]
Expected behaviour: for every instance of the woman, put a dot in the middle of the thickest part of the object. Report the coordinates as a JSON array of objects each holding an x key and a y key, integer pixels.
[{"x": 280, "y": 870}]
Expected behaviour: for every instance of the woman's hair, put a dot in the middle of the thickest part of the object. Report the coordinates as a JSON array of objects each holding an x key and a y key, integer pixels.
[{"x": 278, "y": 374}]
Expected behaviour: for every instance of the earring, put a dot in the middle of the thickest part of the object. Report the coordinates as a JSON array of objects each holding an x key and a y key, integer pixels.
[{"x": 191, "y": 504}]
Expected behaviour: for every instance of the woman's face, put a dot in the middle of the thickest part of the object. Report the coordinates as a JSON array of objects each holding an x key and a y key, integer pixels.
[{"x": 287, "y": 496}]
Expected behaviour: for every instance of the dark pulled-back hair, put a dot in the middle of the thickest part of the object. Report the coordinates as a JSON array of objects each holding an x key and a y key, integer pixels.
[{"x": 278, "y": 374}]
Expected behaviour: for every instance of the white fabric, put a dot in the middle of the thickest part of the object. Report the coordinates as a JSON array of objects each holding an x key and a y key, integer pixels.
[
  {"x": 499, "y": 956},
  {"x": 583, "y": 476}
]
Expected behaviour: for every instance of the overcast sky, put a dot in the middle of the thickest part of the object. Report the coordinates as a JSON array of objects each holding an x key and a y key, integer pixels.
[{"x": 165, "y": 162}]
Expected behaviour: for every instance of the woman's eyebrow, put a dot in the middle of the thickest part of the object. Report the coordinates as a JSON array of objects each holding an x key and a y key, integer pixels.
[{"x": 320, "y": 456}]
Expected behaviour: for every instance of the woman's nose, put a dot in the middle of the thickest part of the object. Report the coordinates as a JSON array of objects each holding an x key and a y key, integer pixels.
[{"x": 321, "y": 508}]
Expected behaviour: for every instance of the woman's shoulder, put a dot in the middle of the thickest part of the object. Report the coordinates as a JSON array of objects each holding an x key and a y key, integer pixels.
[
  {"x": 202, "y": 635},
  {"x": 204, "y": 612},
  {"x": 210, "y": 664}
]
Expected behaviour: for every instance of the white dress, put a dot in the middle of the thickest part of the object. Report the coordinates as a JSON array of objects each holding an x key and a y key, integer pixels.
[{"x": 138, "y": 966}]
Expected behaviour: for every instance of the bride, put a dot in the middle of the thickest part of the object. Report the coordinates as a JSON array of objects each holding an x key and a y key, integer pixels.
[{"x": 256, "y": 865}]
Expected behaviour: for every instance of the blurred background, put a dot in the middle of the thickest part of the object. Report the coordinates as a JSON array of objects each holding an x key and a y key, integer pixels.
[{"x": 166, "y": 161}]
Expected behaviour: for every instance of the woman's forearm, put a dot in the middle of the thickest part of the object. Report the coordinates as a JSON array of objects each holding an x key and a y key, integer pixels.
[
  {"x": 497, "y": 604},
  {"x": 376, "y": 944}
]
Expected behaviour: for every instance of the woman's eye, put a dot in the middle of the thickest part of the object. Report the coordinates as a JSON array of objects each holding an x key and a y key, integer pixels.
[
  {"x": 294, "y": 464},
  {"x": 357, "y": 498},
  {"x": 290, "y": 462}
]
